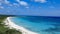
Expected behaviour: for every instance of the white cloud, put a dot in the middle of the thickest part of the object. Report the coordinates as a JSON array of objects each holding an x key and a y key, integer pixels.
[
  {"x": 0, "y": 4},
  {"x": 1, "y": 7},
  {"x": 7, "y": 2},
  {"x": 4, "y": 1},
  {"x": 22, "y": 3},
  {"x": 51, "y": 7},
  {"x": 15, "y": 5},
  {"x": 41, "y": 1},
  {"x": 40, "y": 7},
  {"x": 27, "y": 7}
]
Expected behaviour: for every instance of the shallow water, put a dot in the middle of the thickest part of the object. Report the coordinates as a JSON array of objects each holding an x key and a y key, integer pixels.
[{"x": 41, "y": 25}]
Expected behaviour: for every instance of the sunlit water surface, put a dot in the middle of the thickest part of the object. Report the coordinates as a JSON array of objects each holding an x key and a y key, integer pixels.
[{"x": 39, "y": 24}]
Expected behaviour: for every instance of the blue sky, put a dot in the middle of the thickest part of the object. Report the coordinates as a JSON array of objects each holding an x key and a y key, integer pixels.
[{"x": 30, "y": 7}]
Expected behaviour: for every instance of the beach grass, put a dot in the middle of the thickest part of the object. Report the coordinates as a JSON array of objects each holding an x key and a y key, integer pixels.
[{"x": 6, "y": 30}]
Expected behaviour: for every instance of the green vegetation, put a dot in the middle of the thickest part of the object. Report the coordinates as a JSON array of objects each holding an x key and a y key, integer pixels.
[{"x": 6, "y": 30}]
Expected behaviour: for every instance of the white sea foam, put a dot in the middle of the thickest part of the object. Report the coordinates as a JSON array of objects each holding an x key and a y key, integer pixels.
[{"x": 13, "y": 25}]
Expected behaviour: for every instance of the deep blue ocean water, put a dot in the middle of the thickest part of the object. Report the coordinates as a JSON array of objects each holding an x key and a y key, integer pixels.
[{"x": 39, "y": 24}]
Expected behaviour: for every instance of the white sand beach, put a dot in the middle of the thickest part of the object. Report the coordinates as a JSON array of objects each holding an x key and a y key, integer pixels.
[{"x": 13, "y": 25}]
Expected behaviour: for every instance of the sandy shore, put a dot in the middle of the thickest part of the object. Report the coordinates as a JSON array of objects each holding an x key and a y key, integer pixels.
[{"x": 13, "y": 25}]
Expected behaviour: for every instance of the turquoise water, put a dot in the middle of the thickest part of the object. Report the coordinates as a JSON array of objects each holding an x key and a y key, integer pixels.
[{"x": 39, "y": 24}]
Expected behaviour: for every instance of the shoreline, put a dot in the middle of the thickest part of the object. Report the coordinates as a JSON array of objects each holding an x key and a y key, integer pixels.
[{"x": 11, "y": 25}]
